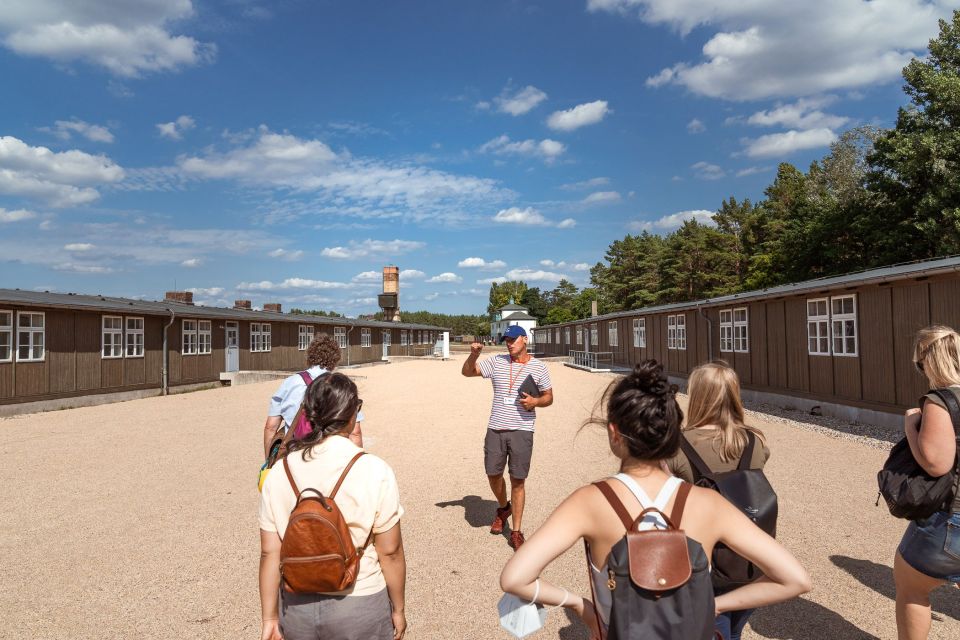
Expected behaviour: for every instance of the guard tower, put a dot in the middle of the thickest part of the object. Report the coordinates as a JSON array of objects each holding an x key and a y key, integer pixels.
[{"x": 389, "y": 300}]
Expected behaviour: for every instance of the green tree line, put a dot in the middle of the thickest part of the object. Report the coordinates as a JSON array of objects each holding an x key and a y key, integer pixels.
[{"x": 878, "y": 197}]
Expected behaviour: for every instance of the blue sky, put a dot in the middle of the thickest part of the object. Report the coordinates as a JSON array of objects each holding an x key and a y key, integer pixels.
[{"x": 285, "y": 151}]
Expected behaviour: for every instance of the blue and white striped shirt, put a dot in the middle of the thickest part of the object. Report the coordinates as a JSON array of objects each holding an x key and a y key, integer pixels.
[{"x": 507, "y": 377}]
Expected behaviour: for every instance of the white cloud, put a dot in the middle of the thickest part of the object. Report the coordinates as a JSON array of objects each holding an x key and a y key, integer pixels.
[
  {"x": 498, "y": 280},
  {"x": 673, "y": 221},
  {"x": 781, "y": 144},
  {"x": 602, "y": 197},
  {"x": 211, "y": 291},
  {"x": 516, "y": 215},
  {"x": 284, "y": 254},
  {"x": 291, "y": 283},
  {"x": 534, "y": 275},
  {"x": 517, "y": 103},
  {"x": 60, "y": 179},
  {"x": 761, "y": 49},
  {"x": 367, "y": 248},
  {"x": 411, "y": 274},
  {"x": 581, "y": 266},
  {"x": 79, "y": 246},
  {"x": 15, "y": 215},
  {"x": 480, "y": 263},
  {"x": 191, "y": 263},
  {"x": 567, "y": 223},
  {"x": 550, "y": 264},
  {"x": 64, "y": 129},
  {"x": 82, "y": 268},
  {"x": 446, "y": 277},
  {"x": 803, "y": 114},
  {"x": 174, "y": 130},
  {"x": 579, "y": 116},
  {"x": 749, "y": 171},
  {"x": 431, "y": 296},
  {"x": 707, "y": 171},
  {"x": 367, "y": 276},
  {"x": 586, "y": 184},
  {"x": 696, "y": 126},
  {"x": 126, "y": 38},
  {"x": 546, "y": 149}
]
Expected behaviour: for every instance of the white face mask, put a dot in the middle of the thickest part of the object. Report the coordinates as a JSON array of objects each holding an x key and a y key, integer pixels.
[{"x": 521, "y": 618}]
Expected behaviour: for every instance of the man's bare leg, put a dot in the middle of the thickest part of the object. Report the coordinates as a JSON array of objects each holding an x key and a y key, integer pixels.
[{"x": 517, "y": 497}]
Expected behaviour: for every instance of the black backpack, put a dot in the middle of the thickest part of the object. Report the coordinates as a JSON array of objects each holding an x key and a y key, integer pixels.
[
  {"x": 909, "y": 491},
  {"x": 660, "y": 579},
  {"x": 748, "y": 490}
]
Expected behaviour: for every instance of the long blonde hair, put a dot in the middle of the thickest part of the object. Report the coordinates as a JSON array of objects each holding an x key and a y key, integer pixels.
[
  {"x": 936, "y": 353},
  {"x": 714, "y": 392}
]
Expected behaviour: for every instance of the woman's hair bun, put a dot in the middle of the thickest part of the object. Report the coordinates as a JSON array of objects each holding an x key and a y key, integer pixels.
[{"x": 648, "y": 376}]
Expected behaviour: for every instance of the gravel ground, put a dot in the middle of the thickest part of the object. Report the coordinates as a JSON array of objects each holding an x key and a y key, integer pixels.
[{"x": 138, "y": 519}]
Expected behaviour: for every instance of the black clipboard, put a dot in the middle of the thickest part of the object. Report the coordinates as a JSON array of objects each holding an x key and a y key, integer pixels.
[{"x": 529, "y": 387}]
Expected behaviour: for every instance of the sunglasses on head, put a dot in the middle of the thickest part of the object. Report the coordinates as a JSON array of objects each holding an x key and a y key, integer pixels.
[{"x": 919, "y": 365}]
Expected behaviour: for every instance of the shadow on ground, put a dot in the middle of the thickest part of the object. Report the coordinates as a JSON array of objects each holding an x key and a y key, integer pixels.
[
  {"x": 879, "y": 577},
  {"x": 575, "y": 630},
  {"x": 477, "y": 511},
  {"x": 800, "y": 619}
]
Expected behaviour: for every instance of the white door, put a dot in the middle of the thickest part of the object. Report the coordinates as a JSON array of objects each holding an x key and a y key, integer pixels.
[{"x": 233, "y": 346}]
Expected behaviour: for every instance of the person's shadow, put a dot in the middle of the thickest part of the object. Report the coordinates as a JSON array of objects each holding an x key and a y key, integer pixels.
[
  {"x": 879, "y": 577},
  {"x": 800, "y": 619},
  {"x": 476, "y": 511},
  {"x": 576, "y": 630}
]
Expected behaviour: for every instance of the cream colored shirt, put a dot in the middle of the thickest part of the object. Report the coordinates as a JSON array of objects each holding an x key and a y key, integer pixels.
[{"x": 369, "y": 499}]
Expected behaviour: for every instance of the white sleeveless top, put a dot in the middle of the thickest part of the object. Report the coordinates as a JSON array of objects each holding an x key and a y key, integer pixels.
[{"x": 652, "y": 520}]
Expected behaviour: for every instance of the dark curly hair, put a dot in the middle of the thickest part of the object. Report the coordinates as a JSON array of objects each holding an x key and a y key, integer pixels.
[
  {"x": 330, "y": 403},
  {"x": 644, "y": 407},
  {"x": 323, "y": 351}
]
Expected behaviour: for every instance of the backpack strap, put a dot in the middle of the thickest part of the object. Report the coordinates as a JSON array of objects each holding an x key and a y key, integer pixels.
[
  {"x": 307, "y": 380},
  {"x": 953, "y": 408},
  {"x": 293, "y": 484},
  {"x": 333, "y": 494},
  {"x": 616, "y": 503},
  {"x": 676, "y": 515},
  {"x": 700, "y": 467},
  {"x": 747, "y": 456}
]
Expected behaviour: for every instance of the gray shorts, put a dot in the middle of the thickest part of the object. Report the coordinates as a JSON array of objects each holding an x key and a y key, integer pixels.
[
  {"x": 314, "y": 616},
  {"x": 499, "y": 446}
]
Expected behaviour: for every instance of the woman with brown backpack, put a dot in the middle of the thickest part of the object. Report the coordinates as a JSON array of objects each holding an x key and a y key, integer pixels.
[
  {"x": 648, "y": 558},
  {"x": 719, "y": 441},
  {"x": 330, "y": 531}
]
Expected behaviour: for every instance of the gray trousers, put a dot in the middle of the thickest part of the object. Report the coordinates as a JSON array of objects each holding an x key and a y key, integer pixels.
[{"x": 319, "y": 617}]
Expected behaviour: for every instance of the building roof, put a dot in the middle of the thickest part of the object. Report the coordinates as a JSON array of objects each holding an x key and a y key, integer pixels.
[
  {"x": 883, "y": 274},
  {"x": 163, "y": 308},
  {"x": 519, "y": 315},
  {"x": 512, "y": 307}
]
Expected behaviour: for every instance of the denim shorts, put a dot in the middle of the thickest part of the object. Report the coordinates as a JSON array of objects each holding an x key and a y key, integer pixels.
[{"x": 932, "y": 546}]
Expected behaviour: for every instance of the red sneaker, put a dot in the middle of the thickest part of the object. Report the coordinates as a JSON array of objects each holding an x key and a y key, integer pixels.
[
  {"x": 516, "y": 539},
  {"x": 500, "y": 519}
]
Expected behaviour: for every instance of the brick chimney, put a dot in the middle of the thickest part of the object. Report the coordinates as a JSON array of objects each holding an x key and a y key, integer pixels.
[
  {"x": 242, "y": 304},
  {"x": 183, "y": 297},
  {"x": 272, "y": 306}
]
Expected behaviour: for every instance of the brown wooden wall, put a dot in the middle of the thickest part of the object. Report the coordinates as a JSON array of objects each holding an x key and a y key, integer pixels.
[
  {"x": 73, "y": 364},
  {"x": 881, "y": 376}
]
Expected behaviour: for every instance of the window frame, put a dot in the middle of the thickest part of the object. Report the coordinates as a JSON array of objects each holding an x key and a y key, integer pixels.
[
  {"x": 32, "y": 331},
  {"x": 741, "y": 343},
  {"x": 672, "y": 333},
  {"x": 116, "y": 340},
  {"x": 726, "y": 330},
  {"x": 566, "y": 335},
  {"x": 365, "y": 337},
  {"x": 8, "y": 330},
  {"x": 613, "y": 334},
  {"x": 817, "y": 319},
  {"x": 594, "y": 335},
  {"x": 191, "y": 346},
  {"x": 386, "y": 337},
  {"x": 261, "y": 337},
  {"x": 204, "y": 337},
  {"x": 842, "y": 318},
  {"x": 128, "y": 333},
  {"x": 340, "y": 335},
  {"x": 303, "y": 331},
  {"x": 580, "y": 335},
  {"x": 681, "y": 332},
  {"x": 639, "y": 333}
]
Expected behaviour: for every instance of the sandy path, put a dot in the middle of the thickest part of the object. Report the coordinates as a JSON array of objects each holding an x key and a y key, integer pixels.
[{"x": 138, "y": 519}]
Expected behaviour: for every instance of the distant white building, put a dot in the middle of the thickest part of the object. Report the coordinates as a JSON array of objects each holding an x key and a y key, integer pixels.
[{"x": 512, "y": 314}]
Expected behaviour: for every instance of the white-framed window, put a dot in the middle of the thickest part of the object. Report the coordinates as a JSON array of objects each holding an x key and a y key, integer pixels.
[
  {"x": 386, "y": 337},
  {"x": 640, "y": 333},
  {"x": 111, "y": 337},
  {"x": 594, "y": 335},
  {"x": 579, "y": 334},
  {"x": 364, "y": 337},
  {"x": 671, "y": 332},
  {"x": 305, "y": 336},
  {"x": 818, "y": 327},
  {"x": 566, "y": 335},
  {"x": 741, "y": 330},
  {"x": 205, "y": 337},
  {"x": 261, "y": 338},
  {"x": 6, "y": 336},
  {"x": 682, "y": 332},
  {"x": 404, "y": 338},
  {"x": 340, "y": 335},
  {"x": 556, "y": 334},
  {"x": 843, "y": 325},
  {"x": 612, "y": 336},
  {"x": 189, "y": 333},
  {"x": 726, "y": 330},
  {"x": 133, "y": 338},
  {"x": 30, "y": 336}
]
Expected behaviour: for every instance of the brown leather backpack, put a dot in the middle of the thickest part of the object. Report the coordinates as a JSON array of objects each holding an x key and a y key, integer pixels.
[{"x": 317, "y": 553}]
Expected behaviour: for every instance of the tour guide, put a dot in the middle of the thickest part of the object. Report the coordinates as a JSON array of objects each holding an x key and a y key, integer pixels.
[{"x": 510, "y": 430}]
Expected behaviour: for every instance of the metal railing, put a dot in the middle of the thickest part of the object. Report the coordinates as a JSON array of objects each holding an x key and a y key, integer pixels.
[{"x": 592, "y": 359}]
